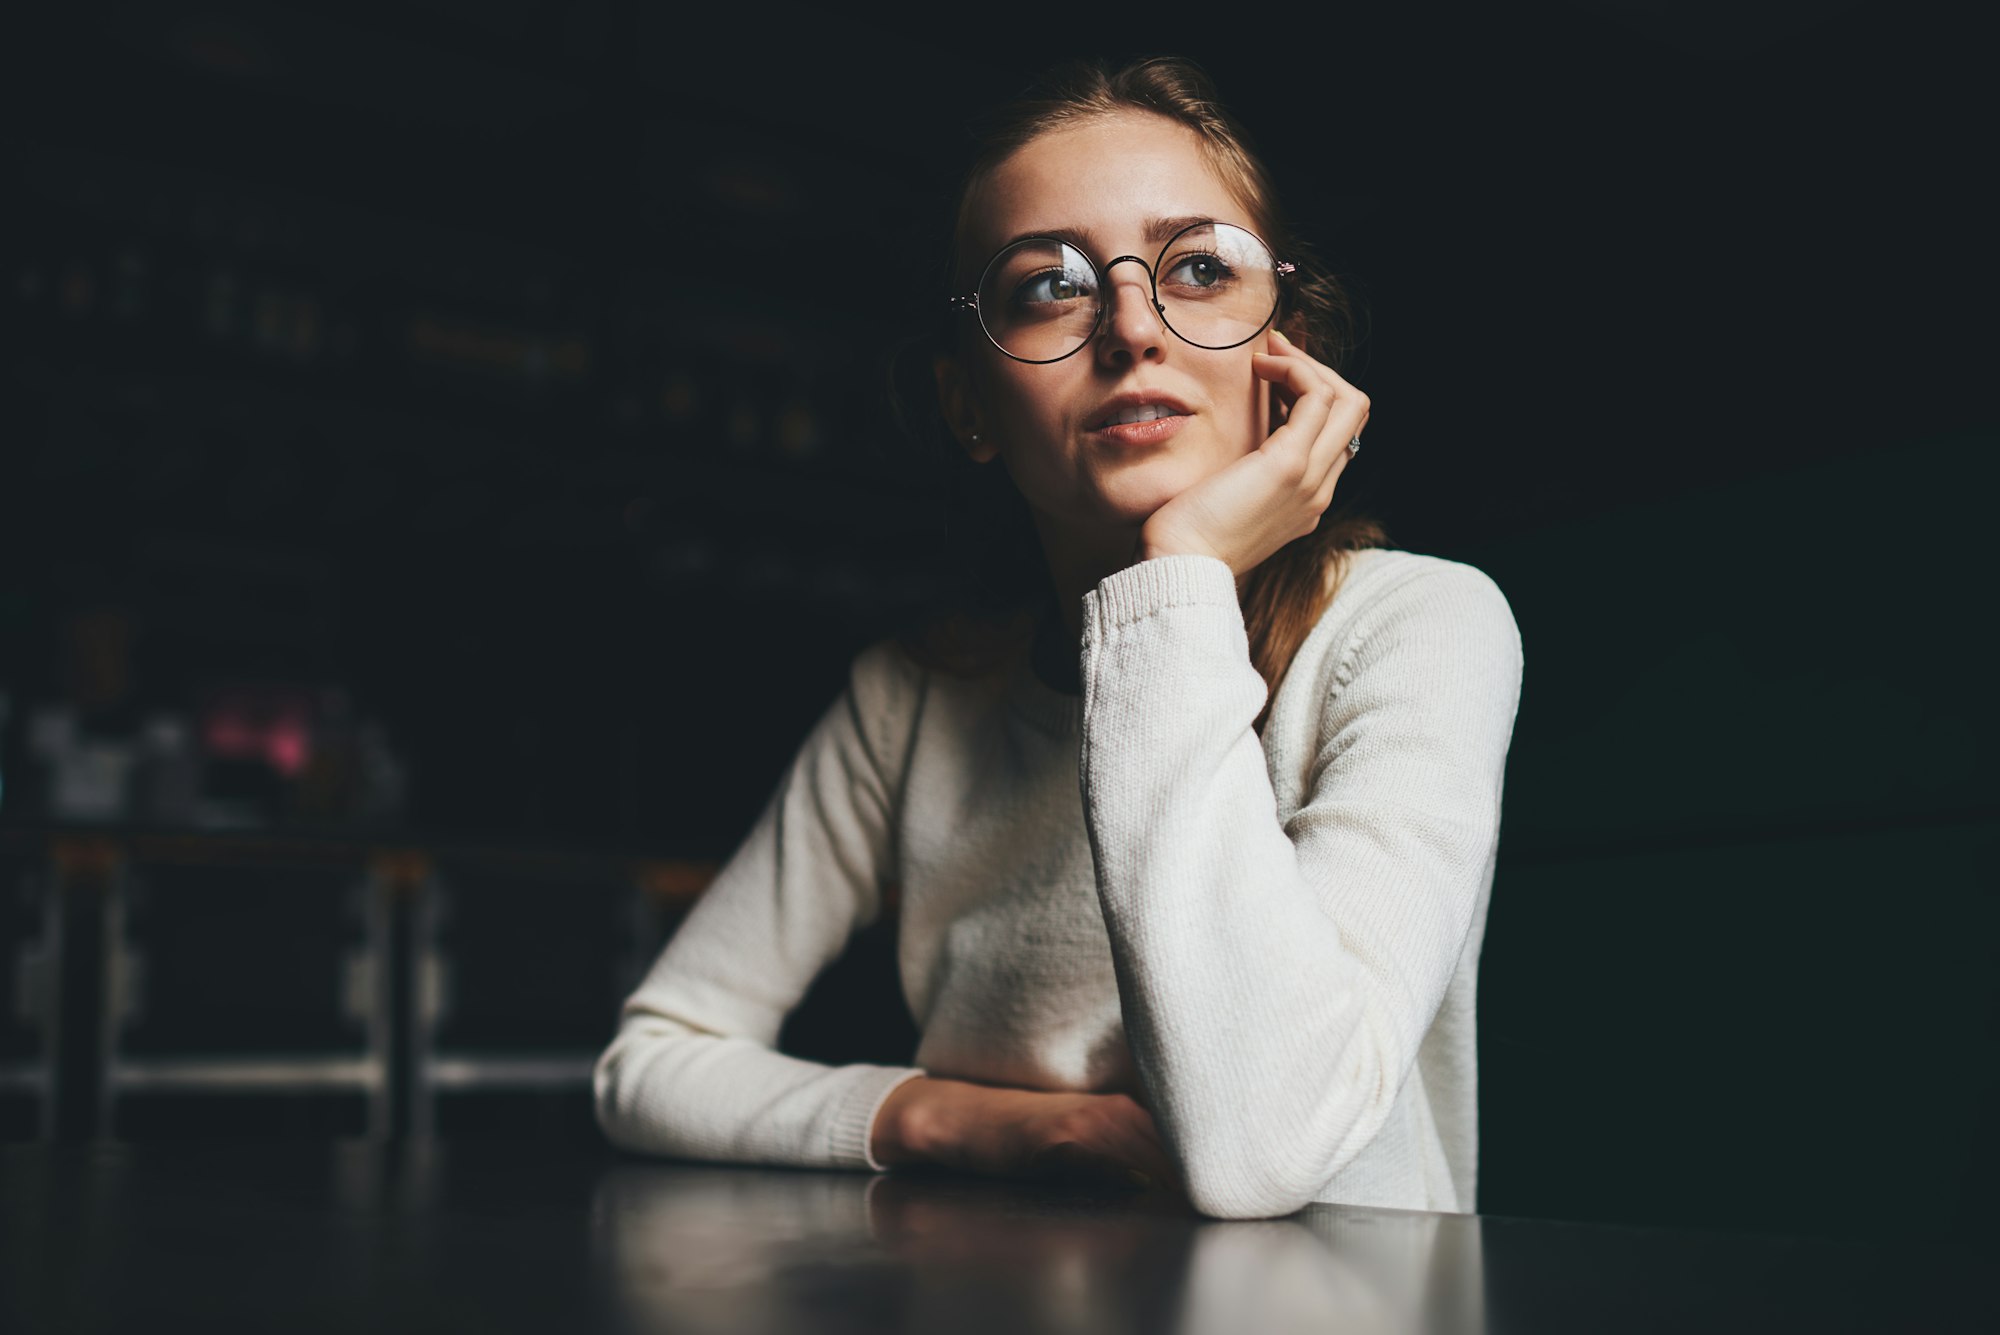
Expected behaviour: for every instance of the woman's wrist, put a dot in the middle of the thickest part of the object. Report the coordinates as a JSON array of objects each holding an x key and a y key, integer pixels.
[
  {"x": 938, "y": 1121},
  {"x": 902, "y": 1129}
]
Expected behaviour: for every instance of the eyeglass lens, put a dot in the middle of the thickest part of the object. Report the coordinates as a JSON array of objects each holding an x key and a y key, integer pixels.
[{"x": 1040, "y": 299}]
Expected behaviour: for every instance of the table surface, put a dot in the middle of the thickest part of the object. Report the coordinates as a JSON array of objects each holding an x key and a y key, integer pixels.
[{"x": 502, "y": 1236}]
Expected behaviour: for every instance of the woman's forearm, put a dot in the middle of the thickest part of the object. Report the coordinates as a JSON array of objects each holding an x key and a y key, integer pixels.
[{"x": 998, "y": 1131}]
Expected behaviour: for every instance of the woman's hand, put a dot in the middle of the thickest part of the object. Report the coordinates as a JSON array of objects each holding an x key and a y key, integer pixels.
[
  {"x": 1278, "y": 491},
  {"x": 1022, "y": 1133}
]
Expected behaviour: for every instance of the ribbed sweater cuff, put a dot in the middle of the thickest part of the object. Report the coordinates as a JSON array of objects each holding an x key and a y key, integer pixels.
[
  {"x": 854, "y": 1123},
  {"x": 1146, "y": 587}
]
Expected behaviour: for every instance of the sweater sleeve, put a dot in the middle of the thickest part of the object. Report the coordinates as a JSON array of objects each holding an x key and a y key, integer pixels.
[
  {"x": 693, "y": 1071},
  {"x": 1277, "y": 978}
]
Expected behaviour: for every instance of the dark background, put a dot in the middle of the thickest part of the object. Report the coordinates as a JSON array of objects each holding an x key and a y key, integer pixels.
[{"x": 486, "y": 362}]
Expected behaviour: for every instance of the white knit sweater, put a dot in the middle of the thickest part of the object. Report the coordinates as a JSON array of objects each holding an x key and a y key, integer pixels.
[{"x": 1274, "y": 947}]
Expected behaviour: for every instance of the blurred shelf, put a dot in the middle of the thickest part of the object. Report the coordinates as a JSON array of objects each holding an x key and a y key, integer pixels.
[
  {"x": 405, "y": 854},
  {"x": 276, "y": 1072},
  {"x": 24, "y": 1078},
  {"x": 448, "y": 1071}
]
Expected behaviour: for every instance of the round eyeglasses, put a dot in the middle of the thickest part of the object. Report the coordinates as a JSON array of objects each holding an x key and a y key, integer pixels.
[{"x": 1215, "y": 285}]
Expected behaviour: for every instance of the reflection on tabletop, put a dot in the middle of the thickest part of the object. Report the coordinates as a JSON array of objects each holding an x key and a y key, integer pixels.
[
  {"x": 512, "y": 1236},
  {"x": 696, "y": 1249}
]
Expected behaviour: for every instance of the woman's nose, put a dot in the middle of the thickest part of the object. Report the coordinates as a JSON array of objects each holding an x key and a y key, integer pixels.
[{"x": 1133, "y": 330}]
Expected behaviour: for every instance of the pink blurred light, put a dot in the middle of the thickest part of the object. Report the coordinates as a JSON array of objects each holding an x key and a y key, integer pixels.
[{"x": 268, "y": 726}]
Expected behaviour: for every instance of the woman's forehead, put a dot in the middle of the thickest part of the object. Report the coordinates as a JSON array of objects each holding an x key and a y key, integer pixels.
[{"x": 1106, "y": 177}]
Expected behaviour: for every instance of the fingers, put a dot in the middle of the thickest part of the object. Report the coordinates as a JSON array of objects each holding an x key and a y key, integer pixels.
[
  {"x": 1281, "y": 398},
  {"x": 1297, "y": 373},
  {"x": 1154, "y": 1158},
  {"x": 1106, "y": 1139},
  {"x": 1141, "y": 1165},
  {"x": 1068, "y": 1161},
  {"x": 1312, "y": 400},
  {"x": 1327, "y": 412}
]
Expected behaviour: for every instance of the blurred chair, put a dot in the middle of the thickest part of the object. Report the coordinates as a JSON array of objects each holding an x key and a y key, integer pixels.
[
  {"x": 521, "y": 964},
  {"x": 28, "y": 974},
  {"x": 233, "y": 975}
]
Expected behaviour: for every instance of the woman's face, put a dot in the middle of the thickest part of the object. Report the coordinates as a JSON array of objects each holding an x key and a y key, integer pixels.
[{"x": 1112, "y": 179}]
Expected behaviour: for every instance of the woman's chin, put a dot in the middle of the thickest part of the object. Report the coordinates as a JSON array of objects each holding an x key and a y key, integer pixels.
[{"x": 1133, "y": 500}]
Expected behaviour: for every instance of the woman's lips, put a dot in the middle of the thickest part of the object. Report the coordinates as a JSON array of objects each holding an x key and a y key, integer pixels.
[{"x": 1141, "y": 433}]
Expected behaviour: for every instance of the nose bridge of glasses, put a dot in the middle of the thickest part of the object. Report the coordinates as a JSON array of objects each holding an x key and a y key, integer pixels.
[{"x": 1148, "y": 286}]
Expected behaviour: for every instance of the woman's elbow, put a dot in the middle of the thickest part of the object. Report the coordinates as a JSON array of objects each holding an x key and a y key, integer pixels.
[
  {"x": 1239, "y": 1172},
  {"x": 609, "y": 1097},
  {"x": 1244, "y": 1191},
  {"x": 1247, "y": 1178}
]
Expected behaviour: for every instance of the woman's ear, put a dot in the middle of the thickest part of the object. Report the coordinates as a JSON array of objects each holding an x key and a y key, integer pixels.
[{"x": 960, "y": 413}]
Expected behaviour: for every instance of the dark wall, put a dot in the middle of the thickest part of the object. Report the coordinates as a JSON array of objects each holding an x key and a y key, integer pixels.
[
  {"x": 477, "y": 359},
  {"x": 1741, "y": 961}
]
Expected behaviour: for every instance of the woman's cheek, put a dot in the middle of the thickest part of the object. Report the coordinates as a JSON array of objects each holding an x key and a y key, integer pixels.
[
  {"x": 1258, "y": 420},
  {"x": 1254, "y": 421}
]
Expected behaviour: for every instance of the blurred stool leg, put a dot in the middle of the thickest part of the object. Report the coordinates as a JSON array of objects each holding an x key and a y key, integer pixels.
[
  {"x": 405, "y": 882},
  {"x": 87, "y": 875},
  {"x": 366, "y": 987},
  {"x": 29, "y": 974}
]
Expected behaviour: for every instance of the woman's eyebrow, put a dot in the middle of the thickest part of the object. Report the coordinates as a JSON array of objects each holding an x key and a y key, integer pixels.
[
  {"x": 1161, "y": 229},
  {"x": 1155, "y": 231}
]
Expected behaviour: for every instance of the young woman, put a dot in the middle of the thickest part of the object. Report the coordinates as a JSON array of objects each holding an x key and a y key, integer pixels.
[{"x": 1193, "y": 871}]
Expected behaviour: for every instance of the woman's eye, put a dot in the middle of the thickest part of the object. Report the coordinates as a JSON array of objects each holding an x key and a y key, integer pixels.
[
  {"x": 1199, "y": 271},
  {"x": 1056, "y": 285}
]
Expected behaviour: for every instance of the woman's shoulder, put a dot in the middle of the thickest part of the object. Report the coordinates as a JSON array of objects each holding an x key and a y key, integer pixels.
[
  {"x": 885, "y": 673},
  {"x": 1373, "y": 573},
  {"x": 1387, "y": 592}
]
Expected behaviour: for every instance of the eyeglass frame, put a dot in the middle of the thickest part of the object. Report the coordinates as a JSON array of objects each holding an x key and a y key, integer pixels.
[{"x": 970, "y": 301}]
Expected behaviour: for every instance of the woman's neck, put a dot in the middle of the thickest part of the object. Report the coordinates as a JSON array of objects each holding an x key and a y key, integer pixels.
[
  {"x": 1078, "y": 561},
  {"x": 1052, "y": 654}
]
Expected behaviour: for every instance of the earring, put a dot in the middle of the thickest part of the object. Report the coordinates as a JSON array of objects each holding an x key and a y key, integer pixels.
[{"x": 975, "y": 438}]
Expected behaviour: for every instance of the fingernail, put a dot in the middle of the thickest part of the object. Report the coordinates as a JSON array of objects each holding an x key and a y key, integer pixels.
[
  {"x": 1137, "y": 1178},
  {"x": 1281, "y": 335}
]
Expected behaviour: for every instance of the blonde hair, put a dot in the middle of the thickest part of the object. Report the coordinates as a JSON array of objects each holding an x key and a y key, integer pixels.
[{"x": 1285, "y": 595}]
